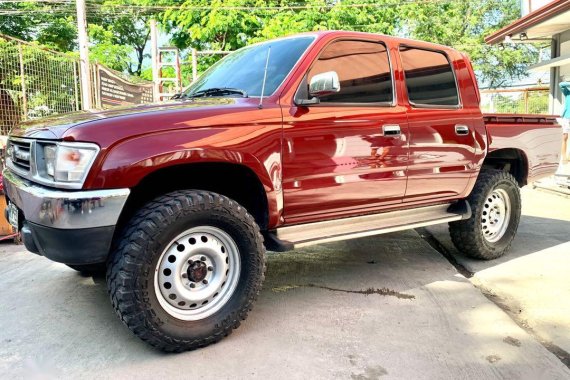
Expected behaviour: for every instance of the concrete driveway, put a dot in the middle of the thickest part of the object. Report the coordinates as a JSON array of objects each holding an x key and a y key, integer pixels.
[
  {"x": 383, "y": 307},
  {"x": 531, "y": 283}
]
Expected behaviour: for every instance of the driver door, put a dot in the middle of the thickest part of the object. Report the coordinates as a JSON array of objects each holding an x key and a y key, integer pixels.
[{"x": 348, "y": 154}]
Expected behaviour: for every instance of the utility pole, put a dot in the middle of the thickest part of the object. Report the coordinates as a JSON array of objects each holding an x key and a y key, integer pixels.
[
  {"x": 84, "y": 70},
  {"x": 154, "y": 60}
]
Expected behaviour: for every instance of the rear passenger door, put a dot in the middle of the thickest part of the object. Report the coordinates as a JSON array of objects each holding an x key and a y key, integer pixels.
[{"x": 442, "y": 143}]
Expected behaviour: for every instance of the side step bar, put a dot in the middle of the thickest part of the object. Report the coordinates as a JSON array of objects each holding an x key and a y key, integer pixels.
[{"x": 302, "y": 235}]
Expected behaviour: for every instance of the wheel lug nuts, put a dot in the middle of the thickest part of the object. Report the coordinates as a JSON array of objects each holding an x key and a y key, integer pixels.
[
  {"x": 205, "y": 282},
  {"x": 184, "y": 275},
  {"x": 203, "y": 258},
  {"x": 210, "y": 268},
  {"x": 190, "y": 262},
  {"x": 192, "y": 285}
]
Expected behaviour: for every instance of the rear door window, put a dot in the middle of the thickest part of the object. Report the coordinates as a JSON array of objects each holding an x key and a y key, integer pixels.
[
  {"x": 429, "y": 78},
  {"x": 363, "y": 69}
]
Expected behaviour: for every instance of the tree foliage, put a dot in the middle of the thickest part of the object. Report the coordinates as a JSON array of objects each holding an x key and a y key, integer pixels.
[
  {"x": 50, "y": 24},
  {"x": 124, "y": 32},
  {"x": 461, "y": 24},
  {"x": 464, "y": 24},
  {"x": 119, "y": 28},
  {"x": 116, "y": 36}
]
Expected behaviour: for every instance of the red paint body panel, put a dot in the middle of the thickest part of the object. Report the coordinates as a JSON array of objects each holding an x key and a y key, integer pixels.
[
  {"x": 336, "y": 159},
  {"x": 442, "y": 162},
  {"x": 537, "y": 136},
  {"x": 315, "y": 162}
]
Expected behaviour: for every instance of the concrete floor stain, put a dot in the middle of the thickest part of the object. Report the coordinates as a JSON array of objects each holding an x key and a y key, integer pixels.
[
  {"x": 493, "y": 358},
  {"x": 366, "y": 292},
  {"x": 512, "y": 341},
  {"x": 370, "y": 373}
]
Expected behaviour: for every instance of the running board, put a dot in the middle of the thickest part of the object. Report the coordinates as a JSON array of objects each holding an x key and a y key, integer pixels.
[{"x": 302, "y": 235}]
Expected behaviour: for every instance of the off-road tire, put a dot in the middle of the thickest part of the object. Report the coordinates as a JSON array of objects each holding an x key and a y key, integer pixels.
[
  {"x": 131, "y": 268},
  {"x": 89, "y": 269},
  {"x": 467, "y": 235}
]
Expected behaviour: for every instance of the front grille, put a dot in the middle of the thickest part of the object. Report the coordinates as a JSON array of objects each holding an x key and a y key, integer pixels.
[{"x": 19, "y": 152}]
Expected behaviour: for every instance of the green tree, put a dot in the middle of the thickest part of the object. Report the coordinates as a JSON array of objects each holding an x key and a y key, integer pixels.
[
  {"x": 231, "y": 24},
  {"x": 464, "y": 24},
  {"x": 117, "y": 32},
  {"x": 104, "y": 49},
  {"x": 126, "y": 25},
  {"x": 119, "y": 28},
  {"x": 50, "y": 24}
]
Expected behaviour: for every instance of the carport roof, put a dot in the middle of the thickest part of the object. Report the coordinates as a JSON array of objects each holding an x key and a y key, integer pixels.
[
  {"x": 544, "y": 22},
  {"x": 545, "y": 66}
]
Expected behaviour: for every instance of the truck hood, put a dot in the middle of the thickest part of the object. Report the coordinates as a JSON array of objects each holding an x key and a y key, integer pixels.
[{"x": 62, "y": 126}]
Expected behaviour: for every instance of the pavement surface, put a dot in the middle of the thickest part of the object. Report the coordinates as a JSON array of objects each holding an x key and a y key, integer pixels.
[
  {"x": 385, "y": 307},
  {"x": 531, "y": 282}
]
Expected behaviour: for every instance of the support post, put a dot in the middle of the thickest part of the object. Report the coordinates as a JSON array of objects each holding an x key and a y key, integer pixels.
[
  {"x": 23, "y": 80},
  {"x": 194, "y": 65},
  {"x": 84, "y": 70},
  {"x": 154, "y": 61},
  {"x": 75, "y": 85},
  {"x": 554, "y": 97}
]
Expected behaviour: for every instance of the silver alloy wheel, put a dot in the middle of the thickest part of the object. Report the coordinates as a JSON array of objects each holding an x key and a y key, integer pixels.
[
  {"x": 496, "y": 215},
  {"x": 197, "y": 273}
]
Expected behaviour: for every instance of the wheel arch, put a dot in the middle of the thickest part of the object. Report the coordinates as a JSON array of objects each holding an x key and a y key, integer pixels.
[
  {"x": 235, "y": 181},
  {"x": 511, "y": 160}
]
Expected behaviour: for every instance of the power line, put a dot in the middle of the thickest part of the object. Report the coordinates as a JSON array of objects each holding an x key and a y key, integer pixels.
[
  {"x": 36, "y": 1},
  {"x": 282, "y": 7},
  {"x": 183, "y": 7},
  {"x": 121, "y": 10}
]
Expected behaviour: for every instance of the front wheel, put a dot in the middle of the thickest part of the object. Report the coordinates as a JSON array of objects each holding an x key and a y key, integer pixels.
[
  {"x": 89, "y": 269},
  {"x": 496, "y": 208},
  {"x": 187, "y": 270}
]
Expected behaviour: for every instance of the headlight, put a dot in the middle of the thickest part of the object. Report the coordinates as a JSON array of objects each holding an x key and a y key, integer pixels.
[
  {"x": 67, "y": 162},
  {"x": 49, "y": 157}
]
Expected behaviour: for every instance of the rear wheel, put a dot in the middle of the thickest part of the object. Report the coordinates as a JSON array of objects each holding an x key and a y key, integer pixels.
[
  {"x": 496, "y": 207},
  {"x": 187, "y": 270}
]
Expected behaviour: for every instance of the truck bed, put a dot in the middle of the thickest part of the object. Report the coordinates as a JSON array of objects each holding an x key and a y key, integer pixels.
[
  {"x": 537, "y": 137},
  {"x": 518, "y": 119}
]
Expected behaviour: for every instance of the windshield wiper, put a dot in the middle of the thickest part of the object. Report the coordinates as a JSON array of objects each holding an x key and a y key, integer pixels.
[{"x": 213, "y": 92}]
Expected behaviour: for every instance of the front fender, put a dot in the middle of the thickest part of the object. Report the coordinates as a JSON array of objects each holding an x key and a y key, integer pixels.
[{"x": 126, "y": 163}]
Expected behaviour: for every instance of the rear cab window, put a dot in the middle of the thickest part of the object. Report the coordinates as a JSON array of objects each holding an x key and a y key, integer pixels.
[
  {"x": 429, "y": 77},
  {"x": 364, "y": 71}
]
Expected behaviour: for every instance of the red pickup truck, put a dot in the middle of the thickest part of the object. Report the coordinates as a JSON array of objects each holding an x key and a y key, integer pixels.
[{"x": 301, "y": 140}]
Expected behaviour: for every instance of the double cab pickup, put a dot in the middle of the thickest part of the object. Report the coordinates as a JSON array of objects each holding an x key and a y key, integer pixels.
[{"x": 301, "y": 140}]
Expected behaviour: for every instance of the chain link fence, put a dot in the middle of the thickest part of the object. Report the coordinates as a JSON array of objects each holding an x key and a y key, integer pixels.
[
  {"x": 35, "y": 82},
  {"x": 198, "y": 61},
  {"x": 526, "y": 100}
]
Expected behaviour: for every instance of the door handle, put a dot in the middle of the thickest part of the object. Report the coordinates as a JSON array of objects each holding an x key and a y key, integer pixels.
[
  {"x": 461, "y": 129},
  {"x": 391, "y": 130}
]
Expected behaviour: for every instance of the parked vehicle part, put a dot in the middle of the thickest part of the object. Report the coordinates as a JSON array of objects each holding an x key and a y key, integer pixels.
[{"x": 302, "y": 140}]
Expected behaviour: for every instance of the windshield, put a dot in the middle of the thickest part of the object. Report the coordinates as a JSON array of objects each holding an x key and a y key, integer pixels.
[{"x": 244, "y": 68}]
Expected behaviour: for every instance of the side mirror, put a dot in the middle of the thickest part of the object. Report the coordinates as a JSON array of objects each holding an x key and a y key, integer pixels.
[{"x": 324, "y": 84}]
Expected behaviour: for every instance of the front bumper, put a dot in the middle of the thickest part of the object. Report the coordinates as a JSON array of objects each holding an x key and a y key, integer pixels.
[{"x": 71, "y": 227}]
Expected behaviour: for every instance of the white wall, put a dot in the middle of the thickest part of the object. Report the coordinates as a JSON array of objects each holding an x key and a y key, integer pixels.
[
  {"x": 565, "y": 50},
  {"x": 557, "y": 98},
  {"x": 528, "y": 6}
]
